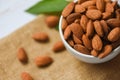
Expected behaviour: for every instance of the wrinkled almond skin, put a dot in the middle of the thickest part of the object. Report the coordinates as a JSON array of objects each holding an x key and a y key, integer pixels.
[
  {"x": 83, "y": 22},
  {"x": 106, "y": 51},
  {"x": 98, "y": 28},
  {"x": 64, "y": 24},
  {"x": 81, "y": 49},
  {"x": 22, "y": 56},
  {"x": 114, "y": 34},
  {"x": 67, "y": 33},
  {"x": 58, "y": 46},
  {"x": 97, "y": 43},
  {"x": 79, "y": 9},
  {"x": 87, "y": 42},
  {"x": 72, "y": 17},
  {"x": 94, "y": 14},
  {"x": 106, "y": 15},
  {"x": 77, "y": 30},
  {"x": 40, "y": 36},
  {"x": 42, "y": 61},
  {"x": 113, "y": 22},
  {"x": 88, "y": 3},
  {"x": 52, "y": 21},
  {"x": 100, "y": 4},
  {"x": 109, "y": 7},
  {"x": 90, "y": 29},
  {"x": 94, "y": 53},
  {"x": 26, "y": 76},
  {"x": 68, "y": 9},
  {"x": 76, "y": 40}
]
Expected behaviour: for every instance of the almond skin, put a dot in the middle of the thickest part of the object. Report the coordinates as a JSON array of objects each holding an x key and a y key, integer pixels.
[
  {"x": 68, "y": 9},
  {"x": 76, "y": 40},
  {"x": 77, "y": 30},
  {"x": 72, "y": 17},
  {"x": 117, "y": 14},
  {"x": 114, "y": 34},
  {"x": 52, "y": 21},
  {"x": 113, "y": 22},
  {"x": 94, "y": 14},
  {"x": 98, "y": 28},
  {"x": 106, "y": 51},
  {"x": 64, "y": 24},
  {"x": 91, "y": 7},
  {"x": 97, "y": 43},
  {"x": 87, "y": 42},
  {"x": 70, "y": 42},
  {"x": 26, "y": 76},
  {"x": 88, "y": 3},
  {"x": 81, "y": 49},
  {"x": 58, "y": 46},
  {"x": 40, "y": 36},
  {"x": 106, "y": 15},
  {"x": 83, "y": 22},
  {"x": 100, "y": 4},
  {"x": 67, "y": 33},
  {"x": 22, "y": 56},
  {"x": 109, "y": 7},
  {"x": 94, "y": 53},
  {"x": 79, "y": 9}
]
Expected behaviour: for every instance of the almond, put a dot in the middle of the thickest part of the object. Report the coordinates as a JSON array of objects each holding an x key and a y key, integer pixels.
[
  {"x": 83, "y": 22},
  {"x": 26, "y": 76},
  {"x": 97, "y": 43},
  {"x": 58, "y": 46},
  {"x": 100, "y": 4},
  {"x": 88, "y": 3},
  {"x": 94, "y": 53},
  {"x": 79, "y": 9},
  {"x": 91, "y": 7},
  {"x": 94, "y": 14},
  {"x": 67, "y": 33},
  {"x": 81, "y": 49},
  {"x": 43, "y": 60},
  {"x": 87, "y": 42},
  {"x": 64, "y": 24},
  {"x": 117, "y": 14},
  {"x": 68, "y": 9},
  {"x": 81, "y": 1},
  {"x": 106, "y": 15},
  {"x": 22, "y": 56},
  {"x": 40, "y": 36},
  {"x": 77, "y": 30},
  {"x": 98, "y": 28},
  {"x": 109, "y": 7},
  {"x": 52, "y": 21},
  {"x": 76, "y": 40},
  {"x": 113, "y": 22},
  {"x": 70, "y": 42},
  {"x": 114, "y": 34},
  {"x": 90, "y": 29},
  {"x": 106, "y": 51},
  {"x": 72, "y": 17}
]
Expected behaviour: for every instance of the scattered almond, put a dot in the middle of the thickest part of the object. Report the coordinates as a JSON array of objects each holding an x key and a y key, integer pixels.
[{"x": 26, "y": 76}]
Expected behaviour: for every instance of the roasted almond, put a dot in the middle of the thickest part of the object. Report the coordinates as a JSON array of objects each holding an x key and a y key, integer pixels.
[
  {"x": 43, "y": 60},
  {"x": 94, "y": 14},
  {"x": 67, "y": 33},
  {"x": 40, "y": 36},
  {"x": 114, "y": 34},
  {"x": 68, "y": 9},
  {"x": 76, "y": 40},
  {"x": 58, "y": 46},
  {"x": 94, "y": 53},
  {"x": 97, "y": 43},
  {"x": 72, "y": 17},
  {"x": 76, "y": 29},
  {"x": 81, "y": 49},
  {"x": 83, "y": 22},
  {"x": 100, "y": 4},
  {"x": 106, "y": 15},
  {"x": 88, "y": 3},
  {"x": 113, "y": 22},
  {"x": 106, "y": 51},
  {"x": 22, "y": 56},
  {"x": 79, "y": 9},
  {"x": 64, "y": 24},
  {"x": 98, "y": 28},
  {"x": 26, "y": 76},
  {"x": 109, "y": 7}
]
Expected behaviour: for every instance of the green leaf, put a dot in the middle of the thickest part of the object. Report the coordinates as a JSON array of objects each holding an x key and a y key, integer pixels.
[{"x": 48, "y": 6}]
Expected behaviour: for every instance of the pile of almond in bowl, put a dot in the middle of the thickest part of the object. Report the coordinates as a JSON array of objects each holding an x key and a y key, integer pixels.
[{"x": 92, "y": 27}]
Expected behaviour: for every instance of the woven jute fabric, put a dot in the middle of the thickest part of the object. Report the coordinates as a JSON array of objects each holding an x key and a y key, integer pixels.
[{"x": 64, "y": 67}]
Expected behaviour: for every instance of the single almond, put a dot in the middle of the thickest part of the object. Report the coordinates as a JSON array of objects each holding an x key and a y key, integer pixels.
[
  {"x": 58, "y": 46},
  {"x": 26, "y": 76},
  {"x": 83, "y": 22},
  {"x": 40, "y": 36},
  {"x": 52, "y": 21},
  {"x": 113, "y": 22},
  {"x": 94, "y": 53},
  {"x": 106, "y": 51},
  {"x": 22, "y": 56},
  {"x": 64, "y": 24},
  {"x": 81, "y": 49},
  {"x": 87, "y": 42},
  {"x": 98, "y": 28},
  {"x": 106, "y": 15},
  {"x": 70, "y": 42},
  {"x": 76, "y": 40},
  {"x": 94, "y": 14},
  {"x": 79, "y": 9},
  {"x": 72, "y": 17},
  {"x": 100, "y": 4},
  {"x": 97, "y": 43},
  {"x": 114, "y": 34},
  {"x": 90, "y": 29},
  {"x": 88, "y": 3},
  {"x": 77, "y": 30},
  {"x": 92, "y": 7},
  {"x": 68, "y": 9},
  {"x": 67, "y": 33},
  {"x": 109, "y": 7},
  {"x": 43, "y": 60}
]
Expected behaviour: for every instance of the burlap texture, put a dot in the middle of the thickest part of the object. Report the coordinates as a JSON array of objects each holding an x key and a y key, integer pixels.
[{"x": 64, "y": 67}]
